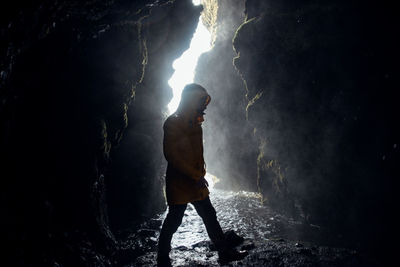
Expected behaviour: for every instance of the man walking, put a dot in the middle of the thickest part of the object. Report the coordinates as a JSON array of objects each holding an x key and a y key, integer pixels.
[{"x": 185, "y": 182}]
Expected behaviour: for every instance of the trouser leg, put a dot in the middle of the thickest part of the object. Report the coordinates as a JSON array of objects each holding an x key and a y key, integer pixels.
[
  {"x": 207, "y": 212},
  {"x": 169, "y": 227}
]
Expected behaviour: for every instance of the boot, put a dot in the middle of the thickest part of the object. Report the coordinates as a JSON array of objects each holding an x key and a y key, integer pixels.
[{"x": 229, "y": 255}]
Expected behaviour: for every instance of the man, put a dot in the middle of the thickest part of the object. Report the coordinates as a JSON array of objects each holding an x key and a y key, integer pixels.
[{"x": 185, "y": 182}]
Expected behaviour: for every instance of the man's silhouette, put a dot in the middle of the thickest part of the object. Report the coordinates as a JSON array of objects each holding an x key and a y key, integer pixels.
[{"x": 185, "y": 182}]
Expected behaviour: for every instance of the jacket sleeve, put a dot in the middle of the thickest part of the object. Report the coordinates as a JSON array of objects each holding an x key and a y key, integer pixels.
[{"x": 175, "y": 144}]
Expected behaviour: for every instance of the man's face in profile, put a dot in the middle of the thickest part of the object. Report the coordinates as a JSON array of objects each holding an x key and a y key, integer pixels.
[{"x": 202, "y": 106}]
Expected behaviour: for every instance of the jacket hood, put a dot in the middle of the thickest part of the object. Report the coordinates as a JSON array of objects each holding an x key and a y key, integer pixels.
[{"x": 194, "y": 100}]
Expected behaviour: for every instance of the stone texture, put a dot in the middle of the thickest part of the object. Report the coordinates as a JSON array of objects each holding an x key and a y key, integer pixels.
[
  {"x": 321, "y": 96},
  {"x": 229, "y": 145},
  {"x": 70, "y": 71},
  {"x": 308, "y": 118}
]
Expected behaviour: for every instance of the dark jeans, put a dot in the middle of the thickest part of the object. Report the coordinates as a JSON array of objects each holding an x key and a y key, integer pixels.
[{"x": 174, "y": 218}]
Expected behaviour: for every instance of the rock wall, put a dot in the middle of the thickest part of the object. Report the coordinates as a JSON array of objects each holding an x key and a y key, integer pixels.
[
  {"x": 83, "y": 88},
  {"x": 308, "y": 117},
  {"x": 320, "y": 81},
  {"x": 229, "y": 145},
  {"x": 139, "y": 165}
]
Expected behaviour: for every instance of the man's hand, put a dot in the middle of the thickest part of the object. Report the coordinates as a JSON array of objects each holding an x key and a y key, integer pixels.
[{"x": 202, "y": 183}]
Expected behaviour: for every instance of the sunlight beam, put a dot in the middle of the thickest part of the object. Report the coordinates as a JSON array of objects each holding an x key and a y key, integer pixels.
[{"x": 185, "y": 65}]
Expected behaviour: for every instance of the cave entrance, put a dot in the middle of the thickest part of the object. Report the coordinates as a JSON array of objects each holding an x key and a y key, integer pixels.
[{"x": 185, "y": 65}]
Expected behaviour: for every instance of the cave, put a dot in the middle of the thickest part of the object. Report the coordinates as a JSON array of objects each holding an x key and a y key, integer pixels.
[{"x": 300, "y": 138}]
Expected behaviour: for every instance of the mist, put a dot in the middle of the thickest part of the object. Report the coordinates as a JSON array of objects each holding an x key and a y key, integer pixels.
[{"x": 230, "y": 147}]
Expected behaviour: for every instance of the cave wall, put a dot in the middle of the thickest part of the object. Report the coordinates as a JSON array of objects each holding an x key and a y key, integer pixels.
[
  {"x": 138, "y": 165},
  {"x": 229, "y": 144},
  {"x": 83, "y": 93},
  {"x": 308, "y": 117},
  {"x": 321, "y": 90}
]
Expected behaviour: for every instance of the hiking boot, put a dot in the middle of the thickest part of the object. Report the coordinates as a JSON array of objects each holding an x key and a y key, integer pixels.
[
  {"x": 163, "y": 261},
  {"x": 229, "y": 255}
]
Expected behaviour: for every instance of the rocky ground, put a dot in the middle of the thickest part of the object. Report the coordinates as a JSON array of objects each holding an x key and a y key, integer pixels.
[{"x": 272, "y": 239}]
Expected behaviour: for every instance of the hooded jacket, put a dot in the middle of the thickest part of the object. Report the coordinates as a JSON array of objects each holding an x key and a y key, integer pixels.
[{"x": 183, "y": 148}]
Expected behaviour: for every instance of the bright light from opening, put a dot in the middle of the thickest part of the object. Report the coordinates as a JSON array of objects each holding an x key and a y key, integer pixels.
[{"x": 185, "y": 65}]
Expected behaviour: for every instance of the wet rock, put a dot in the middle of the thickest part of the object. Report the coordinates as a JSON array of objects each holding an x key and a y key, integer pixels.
[
  {"x": 315, "y": 105},
  {"x": 248, "y": 246},
  {"x": 262, "y": 251},
  {"x": 73, "y": 73},
  {"x": 305, "y": 251},
  {"x": 183, "y": 248}
]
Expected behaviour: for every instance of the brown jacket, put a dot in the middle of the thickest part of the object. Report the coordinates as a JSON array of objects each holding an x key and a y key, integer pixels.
[{"x": 183, "y": 149}]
